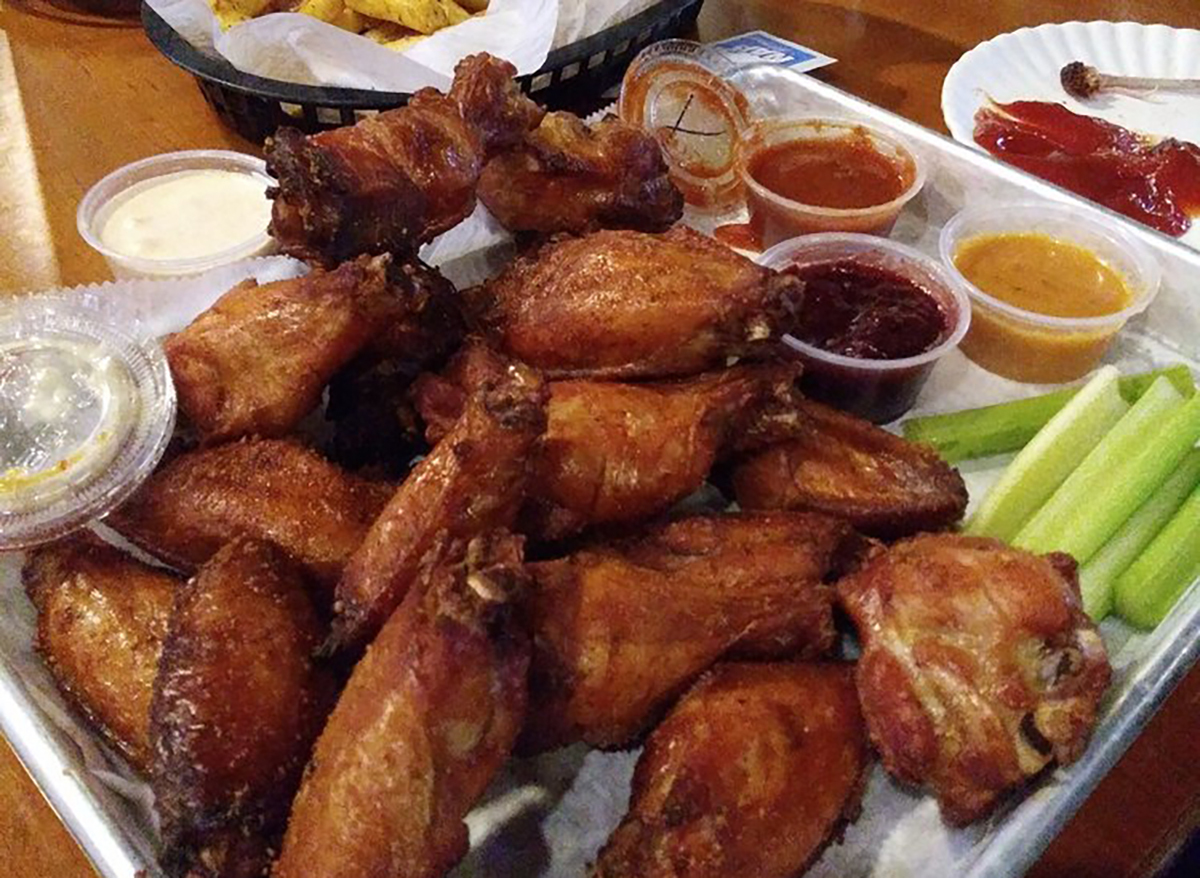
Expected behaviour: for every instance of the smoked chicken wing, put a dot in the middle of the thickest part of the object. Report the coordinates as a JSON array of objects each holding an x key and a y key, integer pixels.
[
  {"x": 755, "y": 769},
  {"x": 102, "y": 619},
  {"x": 570, "y": 177},
  {"x": 624, "y": 304},
  {"x": 621, "y": 630},
  {"x": 979, "y": 666},
  {"x": 428, "y": 717},
  {"x": 273, "y": 489},
  {"x": 398, "y": 179}
]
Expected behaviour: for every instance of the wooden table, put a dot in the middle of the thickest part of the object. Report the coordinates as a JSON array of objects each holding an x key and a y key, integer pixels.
[{"x": 94, "y": 95}]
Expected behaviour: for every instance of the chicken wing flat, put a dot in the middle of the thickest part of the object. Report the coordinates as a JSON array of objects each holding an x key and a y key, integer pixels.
[
  {"x": 624, "y": 304},
  {"x": 828, "y": 461},
  {"x": 259, "y": 358},
  {"x": 237, "y": 705},
  {"x": 979, "y": 666},
  {"x": 398, "y": 179},
  {"x": 749, "y": 776},
  {"x": 621, "y": 630},
  {"x": 102, "y": 619},
  {"x": 472, "y": 482},
  {"x": 428, "y": 717},
  {"x": 273, "y": 489},
  {"x": 570, "y": 177}
]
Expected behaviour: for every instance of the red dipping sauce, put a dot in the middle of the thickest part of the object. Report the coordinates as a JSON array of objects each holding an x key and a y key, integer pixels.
[{"x": 1154, "y": 183}]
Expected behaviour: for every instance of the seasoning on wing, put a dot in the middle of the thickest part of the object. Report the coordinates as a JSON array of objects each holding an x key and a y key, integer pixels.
[
  {"x": 750, "y": 775},
  {"x": 624, "y": 304},
  {"x": 400, "y": 178},
  {"x": 979, "y": 666},
  {"x": 428, "y": 717},
  {"x": 273, "y": 489},
  {"x": 824, "y": 460},
  {"x": 237, "y": 705},
  {"x": 620, "y": 630},
  {"x": 567, "y": 176},
  {"x": 472, "y": 482},
  {"x": 102, "y": 619}
]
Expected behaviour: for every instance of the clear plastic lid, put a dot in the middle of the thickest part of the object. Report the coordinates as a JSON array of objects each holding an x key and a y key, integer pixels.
[{"x": 87, "y": 407}]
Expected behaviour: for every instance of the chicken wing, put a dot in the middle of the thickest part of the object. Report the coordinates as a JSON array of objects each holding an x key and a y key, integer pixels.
[
  {"x": 569, "y": 177},
  {"x": 428, "y": 717},
  {"x": 979, "y": 666},
  {"x": 827, "y": 461},
  {"x": 237, "y": 705},
  {"x": 472, "y": 482},
  {"x": 273, "y": 489},
  {"x": 623, "y": 304},
  {"x": 749, "y": 776},
  {"x": 102, "y": 619},
  {"x": 398, "y": 179},
  {"x": 258, "y": 360},
  {"x": 621, "y": 630}
]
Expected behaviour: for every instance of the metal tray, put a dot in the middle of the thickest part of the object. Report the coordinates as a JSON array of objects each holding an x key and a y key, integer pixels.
[{"x": 575, "y": 797}]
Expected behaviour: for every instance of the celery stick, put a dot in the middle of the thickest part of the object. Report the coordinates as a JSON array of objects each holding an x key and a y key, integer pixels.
[
  {"x": 1043, "y": 533},
  {"x": 1098, "y": 576},
  {"x": 1008, "y": 426},
  {"x": 1153, "y": 583},
  {"x": 1129, "y": 484},
  {"x": 1050, "y": 457}
]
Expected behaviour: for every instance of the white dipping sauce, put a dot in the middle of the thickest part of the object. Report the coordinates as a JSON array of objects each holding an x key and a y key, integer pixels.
[{"x": 187, "y": 215}]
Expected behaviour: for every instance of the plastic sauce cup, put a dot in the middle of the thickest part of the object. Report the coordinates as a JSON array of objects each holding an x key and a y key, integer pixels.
[
  {"x": 876, "y": 389},
  {"x": 1028, "y": 346}
]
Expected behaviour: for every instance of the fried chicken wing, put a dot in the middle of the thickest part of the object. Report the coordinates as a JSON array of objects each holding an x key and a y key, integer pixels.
[
  {"x": 472, "y": 482},
  {"x": 428, "y": 717},
  {"x": 102, "y": 619},
  {"x": 237, "y": 705},
  {"x": 621, "y": 630},
  {"x": 570, "y": 177},
  {"x": 827, "y": 461},
  {"x": 749, "y": 776},
  {"x": 624, "y": 304},
  {"x": 398, "y": 179},
  {"x": 259, "y": 358},
  {"x": 979, "y": 666},
  {"x": 273, "y": 489}
]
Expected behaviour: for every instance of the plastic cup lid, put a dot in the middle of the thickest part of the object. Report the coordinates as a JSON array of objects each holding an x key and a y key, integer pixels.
[
  {"x": 87, "y": 407},
  {"x": 679, "y": 91}
]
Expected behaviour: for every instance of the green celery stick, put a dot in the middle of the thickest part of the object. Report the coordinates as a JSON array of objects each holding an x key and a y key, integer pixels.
[
  {"x": 1043, "y": 532},
  {"x": 1049, "y": 458},
  {"x": 1099, "y": 575},
  {"x": 1009, "y": 426},
  {"x": 1129, "y": 484},
  {"x": 1153, "y": 583}
]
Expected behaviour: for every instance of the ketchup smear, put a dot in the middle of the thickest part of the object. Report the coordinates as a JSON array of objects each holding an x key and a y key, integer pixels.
[{"x": 1155, "y": 183}]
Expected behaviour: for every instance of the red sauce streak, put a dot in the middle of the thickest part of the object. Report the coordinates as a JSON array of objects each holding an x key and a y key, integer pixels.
[
  {"x": 741, "y": 235},
  {"x": 867, "y": 312},
  {"x": 1155, "y": 183}
]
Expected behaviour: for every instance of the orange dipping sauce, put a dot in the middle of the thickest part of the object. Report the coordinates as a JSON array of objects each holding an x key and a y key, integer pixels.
[{"x": 844, "y": 173}]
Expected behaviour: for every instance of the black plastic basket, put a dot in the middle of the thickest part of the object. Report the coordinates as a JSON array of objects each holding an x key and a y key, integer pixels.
[{"x": 254, "y": 106}]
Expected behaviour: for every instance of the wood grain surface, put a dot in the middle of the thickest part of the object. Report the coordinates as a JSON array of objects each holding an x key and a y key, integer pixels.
[{"x": 94, "y": 94}]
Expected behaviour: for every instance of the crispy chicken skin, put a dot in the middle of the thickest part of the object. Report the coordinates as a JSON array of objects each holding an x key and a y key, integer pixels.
[
  {"x": 237, "y": 705},
  {"x": 570, "y": 177},
  {"x": 273, "y": 489},
  {"x": 102, "y": 619},
  {"x": 257, "y": 361},
  {"x": 398, "y": 179},
  {"x": 827, "y": 461},
  {"x": 473, "y": 481},
  {"x": 755, "y": 769},
  {"x": 624, "y": 304},
  {"x": 979, "y": 666},
  {"x": 621, "y": 630},
  {"x": 428, "y": 717},
  {"x": 615, "y": 453}
]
